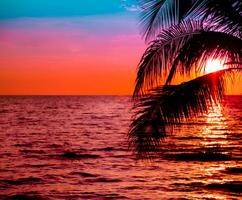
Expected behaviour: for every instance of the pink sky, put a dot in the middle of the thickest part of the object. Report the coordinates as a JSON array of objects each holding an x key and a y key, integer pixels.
[
  {"x": 53, "y": 56},
  {"x": 89, "y": 55}
]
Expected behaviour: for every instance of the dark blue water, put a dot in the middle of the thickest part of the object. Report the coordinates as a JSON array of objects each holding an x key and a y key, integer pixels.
[{"x": 76, "y": 148}]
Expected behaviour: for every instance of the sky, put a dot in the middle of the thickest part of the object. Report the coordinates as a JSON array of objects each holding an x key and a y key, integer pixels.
[{"x": 70, "y": 47}]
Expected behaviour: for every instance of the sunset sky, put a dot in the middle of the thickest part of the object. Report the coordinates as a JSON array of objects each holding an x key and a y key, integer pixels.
[
  {"x": 68, "y": 46},
  {"x": 74, "y": 47}
]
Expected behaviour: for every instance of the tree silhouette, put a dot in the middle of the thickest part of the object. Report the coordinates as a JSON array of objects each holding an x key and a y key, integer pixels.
[{"x": 183, "y": 35}]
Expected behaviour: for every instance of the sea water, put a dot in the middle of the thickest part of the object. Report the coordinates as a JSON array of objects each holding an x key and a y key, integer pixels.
[{"x": 76, "y": 147}]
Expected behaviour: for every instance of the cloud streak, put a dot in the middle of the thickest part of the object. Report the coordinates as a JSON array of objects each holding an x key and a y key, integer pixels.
[{"x": 130, "y": 5}]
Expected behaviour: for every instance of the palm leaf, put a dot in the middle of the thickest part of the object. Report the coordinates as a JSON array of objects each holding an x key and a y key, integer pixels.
[
  {"x": 159, "y": 112},
  {"x": 159, "y": 56},
  {"x": 180, "y": 49},
  {"x": 159, "y": 14},
  {"x": 225, "y": 15},
  {"x": 207, "y": 44}
]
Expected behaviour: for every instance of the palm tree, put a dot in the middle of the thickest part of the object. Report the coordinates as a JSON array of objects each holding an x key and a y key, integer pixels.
[{"x": 184, "y": 35}]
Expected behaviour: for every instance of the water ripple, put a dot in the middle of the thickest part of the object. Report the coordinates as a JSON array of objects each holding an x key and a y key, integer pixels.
[{"x": 76, "y": 148}]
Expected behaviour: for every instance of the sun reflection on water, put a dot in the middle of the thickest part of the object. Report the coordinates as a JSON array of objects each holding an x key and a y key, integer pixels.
[
  {"x": 215, "y": 141},
  {"x": 216, "y": 128}
]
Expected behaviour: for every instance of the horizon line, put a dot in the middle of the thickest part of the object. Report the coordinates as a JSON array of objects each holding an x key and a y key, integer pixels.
[
  {"x": 65, "y": 95},
  {"x": 15, "y": 95}
]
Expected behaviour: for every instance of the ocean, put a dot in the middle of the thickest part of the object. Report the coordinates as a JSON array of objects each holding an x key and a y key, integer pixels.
[{"x": 75, "y": 147}]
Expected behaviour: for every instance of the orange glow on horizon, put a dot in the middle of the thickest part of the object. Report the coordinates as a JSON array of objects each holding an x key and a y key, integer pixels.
[
  {"x": 39, "y": 63},
  {"x": 33, "y": 63},
  {"x": 67, "y": 82}
]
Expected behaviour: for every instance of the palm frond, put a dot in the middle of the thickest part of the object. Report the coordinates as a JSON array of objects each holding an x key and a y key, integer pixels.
[
  {"x": 165, "y": 107},
  {"x": 225, "y": 15},
  {"x": 159, "y": 14},
  {"x": 203, "y": 46},
  {"x": 160, "y": 55},
  {"x": 182, "y": 48}
]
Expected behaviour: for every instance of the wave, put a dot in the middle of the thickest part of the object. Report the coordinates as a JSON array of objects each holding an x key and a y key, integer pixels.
[
  {"x": 4, "y": 111},
  {"x": 110, "y": 149},
  {"x": 233, "y": 186},
  {"x": 93, "y": 195},
  {"x": 32, "y": 151},
  {"x": 25, "y": 197},
  {"x": 233, "y": 170},
  {"x": 84, "y": 174},
  {"x": 40, "y": 165},
  {"x": 21, "y": 181},
  {"x": 23, "y": 145},
  {"x": 74, "y": 155},
  {"x": 229, "y": 186},
  {"x": 208, "y": 156},
  {"x": 105, "y": 180}
]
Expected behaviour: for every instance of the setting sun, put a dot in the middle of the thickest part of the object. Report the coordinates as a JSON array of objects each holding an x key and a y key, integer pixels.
[{"x": 214, "y": 65}]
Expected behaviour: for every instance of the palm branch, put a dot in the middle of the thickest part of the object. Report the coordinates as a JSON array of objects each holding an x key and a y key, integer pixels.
[
  {"x": 159, "y": 14},
  {"x": 223, "y": 14},
  {"x": 205, "y": 45},
  {"x": 188, "y": 34},
  {"x": 181, "y": 48},
  {"x": 163, "y": 108}
]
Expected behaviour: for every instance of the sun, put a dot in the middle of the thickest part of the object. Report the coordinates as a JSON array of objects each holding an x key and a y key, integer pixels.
[{"x": 214, "y": 65}]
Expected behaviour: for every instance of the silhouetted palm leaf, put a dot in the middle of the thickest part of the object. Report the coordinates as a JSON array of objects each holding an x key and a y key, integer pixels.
[
  {"x": 159, "y": 14},
  {"x": 181, "y": 48},
  {"x": 223, "y": 14},
  {"x": 191, "y": 32},
  {"x": 160, "y": 55},
  {"x": 203, "y": 46},
  {"x": 165, "y": 107}
]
